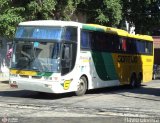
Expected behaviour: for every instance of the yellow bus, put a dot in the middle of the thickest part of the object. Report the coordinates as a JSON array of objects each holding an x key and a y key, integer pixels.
[
  {"x": 132, "y": 55},
  {"x": 63, "y": 56}
]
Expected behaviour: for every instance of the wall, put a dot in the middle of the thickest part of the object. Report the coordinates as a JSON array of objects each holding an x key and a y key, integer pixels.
[{"x": 156, "y": 43}]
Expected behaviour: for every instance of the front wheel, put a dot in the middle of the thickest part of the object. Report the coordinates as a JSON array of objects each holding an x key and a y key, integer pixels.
[{"x": 82, "y": 86}]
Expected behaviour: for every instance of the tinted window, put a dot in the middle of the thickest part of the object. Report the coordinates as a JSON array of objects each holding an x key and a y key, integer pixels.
[
  {"x": 70, "y": 34},
  {"x": 131, "y": 46},
  {"x": 38, "y": 32},
  {"x": 144, "y": 47},
  {"x": 140, "y": 47},
  {"x": 85, "y": 39},
  {"x": 149, "y": 47},
  {"x": 105, "y": 42}
]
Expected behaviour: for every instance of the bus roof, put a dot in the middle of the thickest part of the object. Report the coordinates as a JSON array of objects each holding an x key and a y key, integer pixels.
[
  {"x": 96, "y": 27},
  {"x": 108, "y": 29},
  {"x": 92, "y": 27},
  {"x": 50, "y": 23},
  {"x": 143, "y": 37}
]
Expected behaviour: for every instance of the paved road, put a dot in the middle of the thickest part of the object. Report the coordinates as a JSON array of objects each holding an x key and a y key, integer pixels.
[{"x": 117, "y": 104}]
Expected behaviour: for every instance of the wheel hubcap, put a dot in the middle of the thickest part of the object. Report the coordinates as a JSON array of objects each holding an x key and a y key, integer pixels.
[
  {"x": 81, "y": 85},
  {"x": 133, "y": 83}
]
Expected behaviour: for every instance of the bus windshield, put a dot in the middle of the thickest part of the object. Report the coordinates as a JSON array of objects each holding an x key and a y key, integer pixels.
[
  {"x": 57, "y": 34},
  {"x": 39, "y": 56},
  {"x": 39, "y": 47},
  {"x": 39, "y": 32}
]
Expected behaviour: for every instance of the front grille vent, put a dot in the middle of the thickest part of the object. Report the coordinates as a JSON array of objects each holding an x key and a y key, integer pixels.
[
  {"x": 36, "y": 77},
  {"x": 24, "y": 76}
]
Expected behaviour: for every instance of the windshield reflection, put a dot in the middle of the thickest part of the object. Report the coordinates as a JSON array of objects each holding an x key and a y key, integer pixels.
[{"x": 39, "y": 56}]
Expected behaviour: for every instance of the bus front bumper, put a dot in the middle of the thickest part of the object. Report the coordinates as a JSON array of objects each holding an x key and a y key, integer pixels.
[{"x": 37, "y": 85}]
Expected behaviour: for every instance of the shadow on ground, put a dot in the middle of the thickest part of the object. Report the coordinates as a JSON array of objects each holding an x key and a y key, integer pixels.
[{"x": 114, "y": 90}]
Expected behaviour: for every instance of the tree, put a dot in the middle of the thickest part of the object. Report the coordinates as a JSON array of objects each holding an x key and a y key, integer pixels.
[
  {"x": 106, "y": 12},
  {"x": 51, "y": 9},
  {"x": 14, "y": 11},
  {"x": 10, "y": 17},
  {"x": 143, "y": 14}
]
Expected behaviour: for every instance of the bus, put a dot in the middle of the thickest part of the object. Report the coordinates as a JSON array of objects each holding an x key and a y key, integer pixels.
[{"x": 56, "y": 56}]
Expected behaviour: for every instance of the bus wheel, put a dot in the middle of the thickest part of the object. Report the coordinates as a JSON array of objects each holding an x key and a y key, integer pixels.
[
  {"x": 139, "y": 80},
  {"x": 133, "y": 82},
  {"x": 82, "y": 86}
]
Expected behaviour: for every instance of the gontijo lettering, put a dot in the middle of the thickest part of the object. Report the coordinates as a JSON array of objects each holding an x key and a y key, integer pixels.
[{"x": 127, "y": 59}]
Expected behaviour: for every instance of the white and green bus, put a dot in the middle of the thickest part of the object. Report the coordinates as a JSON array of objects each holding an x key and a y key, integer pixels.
[{"x": 63, "y": 56}]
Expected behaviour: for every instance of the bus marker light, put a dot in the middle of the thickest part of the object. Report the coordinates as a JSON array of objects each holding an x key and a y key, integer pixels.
[{"x": 55, "y": 78}]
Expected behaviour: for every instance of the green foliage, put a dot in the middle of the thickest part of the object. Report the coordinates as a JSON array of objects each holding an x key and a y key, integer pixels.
[
  {"x": 40, "y": 9},
  {"x": 66, "y": 9},
  {"x": 69, "y": 8},
  {"x": 51, "y": 9},
  {"x": 9, "y": 18},
  {"x": 144, "y": 14},
  {"x": 106, "y": 12},
  {"x": 14, "y": 11}
]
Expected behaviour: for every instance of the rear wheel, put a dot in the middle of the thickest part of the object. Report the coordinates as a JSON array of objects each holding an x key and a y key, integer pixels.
[
  {"x": 82, "y": 86},
  {"x": 139, "y": 80},
  {"x": 133, "y": 82}
]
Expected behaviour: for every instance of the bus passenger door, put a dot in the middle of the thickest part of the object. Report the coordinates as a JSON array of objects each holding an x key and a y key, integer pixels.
[{"x": 66, "y": 58}]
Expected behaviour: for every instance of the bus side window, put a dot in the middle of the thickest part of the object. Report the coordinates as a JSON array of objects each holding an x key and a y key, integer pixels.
[
  {"x": 148, "y": 47},
  {"x": 115, "y": 43},
  {"x": 71, "y": 34},
  {"x": 131, "y": 46},
  {"x": 85, "y": 39},
  {"x": 123, "y": 45}
]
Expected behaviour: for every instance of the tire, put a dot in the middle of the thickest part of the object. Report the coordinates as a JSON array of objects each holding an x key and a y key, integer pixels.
[
  {"x": 139, "y": 81},
  {"x": 133, "y": 82},
  {"x": 82, "y": 86}
]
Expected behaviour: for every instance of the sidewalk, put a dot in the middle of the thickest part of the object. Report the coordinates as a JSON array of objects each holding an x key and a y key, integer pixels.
[
  {"x": 4, "y": 78},
  {"x": 6, "y": 81},
  {"x": 4, "y": 84}
]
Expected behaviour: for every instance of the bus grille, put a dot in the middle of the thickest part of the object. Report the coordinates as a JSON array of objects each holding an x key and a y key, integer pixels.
[
  {"x": 36, "y": 77},
  {"x": 24, "y": 76}
]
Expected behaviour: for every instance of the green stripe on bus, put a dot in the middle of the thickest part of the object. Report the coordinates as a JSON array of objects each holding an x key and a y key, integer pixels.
[
  {"x": 44, "y": 73},
  {"x": 104, "y": 65},
  {"x": 92, "y": 28}
]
